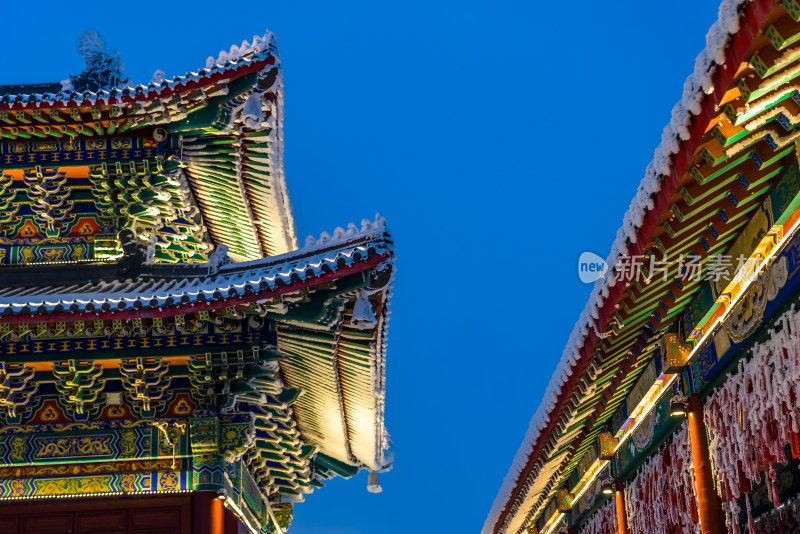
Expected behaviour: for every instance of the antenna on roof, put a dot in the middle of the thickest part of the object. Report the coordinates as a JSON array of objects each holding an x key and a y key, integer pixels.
[{"x": 102, "y": 68}]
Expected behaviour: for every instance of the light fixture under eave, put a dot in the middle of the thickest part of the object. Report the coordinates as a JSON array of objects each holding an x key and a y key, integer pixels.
[
  {"x": 678, "y": 405},
  {"x": 553, "y": 523},
  {"x": 608, "y": 486}
]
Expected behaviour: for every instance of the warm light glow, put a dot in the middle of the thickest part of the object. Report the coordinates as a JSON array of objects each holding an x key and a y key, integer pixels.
[
  {"x": 646, "y": 405},
  {"x": 104, "y": 259},
  {"x": 240, "y": 515},
  {"x": 678, "y": 405},
  {"x": 608, "y": 486},
  {"x": 664, "y": 382},
  {"x": 272, "y": 517},
  {"x": 90, "y": 495},
  {"x": 548, "y": 528},
  {"x": 590, "y": 476}
]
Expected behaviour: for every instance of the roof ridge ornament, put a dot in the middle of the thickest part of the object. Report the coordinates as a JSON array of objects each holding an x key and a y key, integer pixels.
[
  {"x": 134, "y": 252},
  {"x": 252, "y": 114},
  {"x": 218, "y": 258},
  {"x": 374, "y": 483},
  {"x": 158, "y": 77}
]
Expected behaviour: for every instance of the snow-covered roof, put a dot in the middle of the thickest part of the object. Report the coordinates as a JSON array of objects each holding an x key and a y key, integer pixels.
[
  {"x": 174, "y": 289},
  {"x": 247, "y": 57},
  {"x": 638, "y": 224},
  {"x": 234, "y": 160}
]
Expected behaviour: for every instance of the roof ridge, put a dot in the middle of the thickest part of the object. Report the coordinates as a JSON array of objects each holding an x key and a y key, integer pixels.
[{"x": 261, "y": 48}]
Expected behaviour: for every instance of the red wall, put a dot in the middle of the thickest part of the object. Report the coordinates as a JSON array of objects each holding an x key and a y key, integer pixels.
[
  {"x": 197, "y": 513},
  {"x": 121, "y": 515}
]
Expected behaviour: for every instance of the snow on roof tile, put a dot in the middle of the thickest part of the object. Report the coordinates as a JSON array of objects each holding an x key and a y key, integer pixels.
[
  {"x": 696, "y": 86},
  {"x": 186, "y": 284},
  {"x": 261, "y": 49}
]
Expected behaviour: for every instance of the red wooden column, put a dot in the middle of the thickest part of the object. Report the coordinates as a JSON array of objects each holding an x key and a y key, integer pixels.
[
  {"x": 619, "y": 497},
  {"x": 208, "y": 513},
  {"x": 712, "y": 518}
]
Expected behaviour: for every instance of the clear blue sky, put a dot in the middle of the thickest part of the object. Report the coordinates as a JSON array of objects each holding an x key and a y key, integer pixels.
[{"x": 500, "y": 140}]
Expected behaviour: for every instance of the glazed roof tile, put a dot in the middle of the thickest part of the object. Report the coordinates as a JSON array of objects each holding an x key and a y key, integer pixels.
[{"x": 96, "y": 288}]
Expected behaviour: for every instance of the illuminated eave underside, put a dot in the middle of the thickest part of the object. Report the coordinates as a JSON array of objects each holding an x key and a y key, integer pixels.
[
  {"x": 687, "y": 207},
  {"x": 238, "y": 183}
]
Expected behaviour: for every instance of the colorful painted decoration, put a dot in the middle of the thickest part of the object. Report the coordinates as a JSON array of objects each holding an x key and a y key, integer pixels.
[
  {"x": 161, "y": 330},
  {"x": 691, "y": 310}
]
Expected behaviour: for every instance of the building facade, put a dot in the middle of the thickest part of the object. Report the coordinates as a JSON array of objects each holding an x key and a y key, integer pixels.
[
  {"x": 173, "y": 360},
  {"x": 675, "y": 407}
]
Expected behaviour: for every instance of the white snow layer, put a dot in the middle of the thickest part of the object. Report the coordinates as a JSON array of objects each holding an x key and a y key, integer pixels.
[
  {"x": 340, "y": 234},
  {"x": 260, "y": 43},
  {"x": 697, "y": 85}
]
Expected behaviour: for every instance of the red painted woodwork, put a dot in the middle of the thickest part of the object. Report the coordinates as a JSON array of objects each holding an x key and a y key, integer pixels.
[
  {"x": 233, "y": 525},
  {"x": 712, "y": 518},
  {"x": 619, "y": 500},
  {"x": 120, "y": 515},
  {"x": 750, "y": 23},
  {"x": 208, "y": 513}
]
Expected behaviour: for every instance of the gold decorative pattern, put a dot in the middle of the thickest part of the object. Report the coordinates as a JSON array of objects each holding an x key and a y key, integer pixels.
[
  {"x": 19, "y": 448},
  {"x": 128, "y": 444},
  {"x": 73, "y": 447},
  {"x": 608, "y": 443},
  {"x": 65, "y": 486},
  {"x": 79, "y": 426},
  {"x": 29, "y": 471}
]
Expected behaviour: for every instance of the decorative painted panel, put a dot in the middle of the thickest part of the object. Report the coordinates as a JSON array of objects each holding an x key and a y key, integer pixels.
[{"x": 111, "y": 483}]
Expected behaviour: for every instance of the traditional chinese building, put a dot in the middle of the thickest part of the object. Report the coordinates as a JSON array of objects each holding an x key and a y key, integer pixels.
[
  {"x": 676, "y": 404},
  {"x": 171, "y": 359}
]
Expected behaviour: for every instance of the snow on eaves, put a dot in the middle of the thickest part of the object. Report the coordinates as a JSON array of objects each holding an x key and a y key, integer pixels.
[
  {"x": 367, "y": 226},
  {"x": 260, "y": 44},
  {"x": 194, "y": 283},
  {"x": 697, "y": 85},
  {"x": 237, "y": 57}
]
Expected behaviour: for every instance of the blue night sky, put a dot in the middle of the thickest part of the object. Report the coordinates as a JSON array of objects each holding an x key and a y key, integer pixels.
[{"x": 500, "y": 140}]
